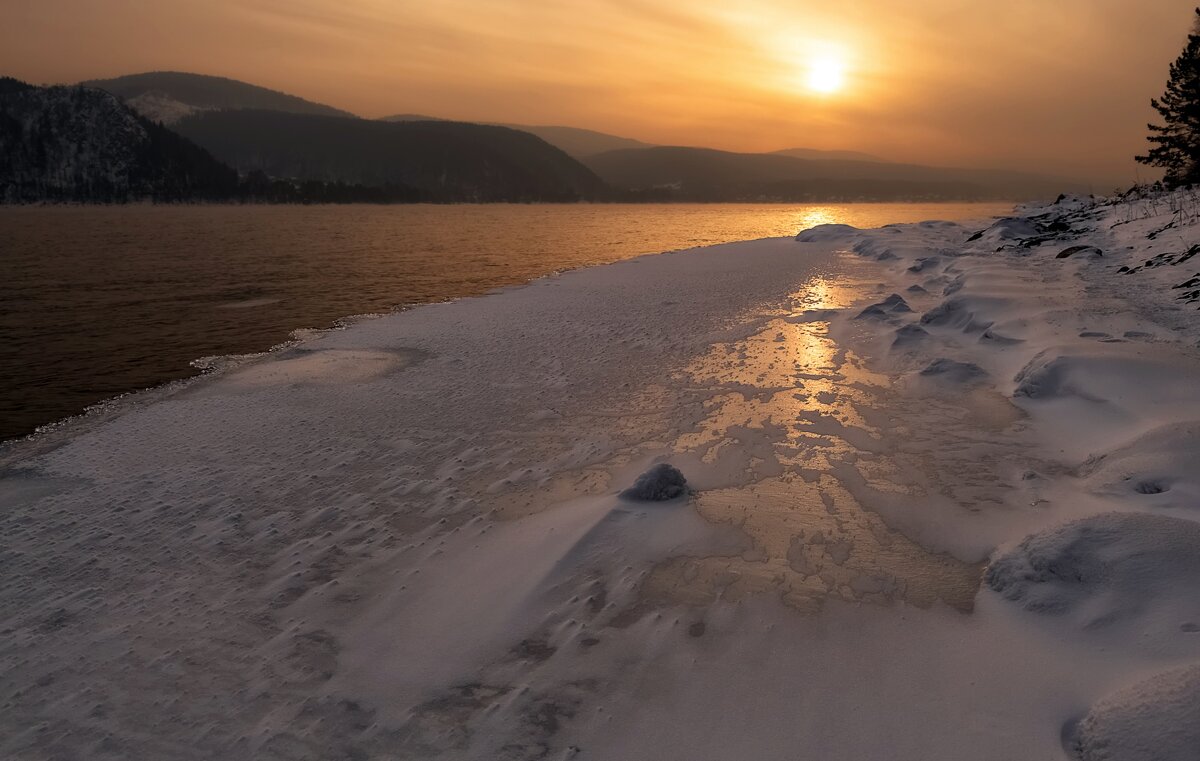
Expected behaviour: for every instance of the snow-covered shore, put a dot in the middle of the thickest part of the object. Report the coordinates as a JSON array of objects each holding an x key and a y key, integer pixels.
[{"x": 944, "y": 483}]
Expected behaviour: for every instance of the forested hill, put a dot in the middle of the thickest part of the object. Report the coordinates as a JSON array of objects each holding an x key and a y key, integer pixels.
[
  {"x": 444, "y": 161},
  {"x": 84, "y": 145},
  {"x": 79, "y": 144},
  {"x": 168, "y": 96},
  {"x": 701, "y": 174}
]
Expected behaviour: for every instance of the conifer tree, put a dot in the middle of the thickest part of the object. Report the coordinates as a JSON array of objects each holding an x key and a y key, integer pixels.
[{"x": 1176, "y": 142}]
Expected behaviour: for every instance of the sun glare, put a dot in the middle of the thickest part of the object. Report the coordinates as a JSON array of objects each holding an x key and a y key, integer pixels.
[{"x": 826, "y": 75}]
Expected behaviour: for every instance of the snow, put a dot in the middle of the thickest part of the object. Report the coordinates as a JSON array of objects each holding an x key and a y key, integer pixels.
[
  {"x": 160, "y": 107},
  {"x": 964, "y": 526},
  {"x": 826, "y": 233},
  {"x": 1154, "y": 720},
  {"x": 1106, "y": 570}
]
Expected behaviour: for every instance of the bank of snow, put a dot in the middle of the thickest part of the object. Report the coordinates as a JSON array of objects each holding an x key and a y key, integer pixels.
[
  {"x": 940, "y": 503},
  {"x": 1084, "y": 313}
]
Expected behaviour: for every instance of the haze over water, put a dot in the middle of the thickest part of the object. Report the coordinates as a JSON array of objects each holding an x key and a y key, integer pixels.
[{"x": 105, "y": 300}]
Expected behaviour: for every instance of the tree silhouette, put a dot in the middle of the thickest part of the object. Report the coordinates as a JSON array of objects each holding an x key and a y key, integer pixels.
[{"x": 1176, "y": 142}]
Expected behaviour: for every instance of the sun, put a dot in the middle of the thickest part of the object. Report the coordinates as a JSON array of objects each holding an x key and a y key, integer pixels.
[{"x": 826, "y": 75}]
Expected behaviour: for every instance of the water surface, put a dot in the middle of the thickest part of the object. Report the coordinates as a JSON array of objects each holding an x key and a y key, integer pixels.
[{"x": 99, "y": 301}]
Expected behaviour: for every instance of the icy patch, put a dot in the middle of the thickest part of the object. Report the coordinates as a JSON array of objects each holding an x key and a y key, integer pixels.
[
  {"x": 1155, "y": 720},
  {"x": 321, "y": 366}
]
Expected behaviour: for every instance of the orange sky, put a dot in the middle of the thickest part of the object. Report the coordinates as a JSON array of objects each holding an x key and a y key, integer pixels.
[{"x": 1052, "y": 85}]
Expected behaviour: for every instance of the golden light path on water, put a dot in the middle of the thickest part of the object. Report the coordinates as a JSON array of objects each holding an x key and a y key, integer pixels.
[
  {"x": 787, "y": 414},
  {"x": 807, "y": 447}
]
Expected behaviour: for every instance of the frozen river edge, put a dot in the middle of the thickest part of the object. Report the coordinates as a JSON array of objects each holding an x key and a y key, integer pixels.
[{"x": 404, "y": 539}]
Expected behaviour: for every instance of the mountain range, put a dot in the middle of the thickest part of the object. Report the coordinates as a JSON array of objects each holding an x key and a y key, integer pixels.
[
  {"x": 76, "y": 144},
  {"x": 447, "y": 161},
  {"x": 283, "y": 147}
]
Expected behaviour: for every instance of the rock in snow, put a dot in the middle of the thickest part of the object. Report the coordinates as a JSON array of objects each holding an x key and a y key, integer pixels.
[
  {"x": 1091, "y": 251},
  {"x": 659, "y": 484}
]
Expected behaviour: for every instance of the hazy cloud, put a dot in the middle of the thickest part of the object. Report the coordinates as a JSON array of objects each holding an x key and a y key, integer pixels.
[{"x": 1063, "y": 85}]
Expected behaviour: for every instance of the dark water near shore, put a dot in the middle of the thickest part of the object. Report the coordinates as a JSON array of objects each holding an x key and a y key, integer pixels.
[{"x": 98, "y": 301}]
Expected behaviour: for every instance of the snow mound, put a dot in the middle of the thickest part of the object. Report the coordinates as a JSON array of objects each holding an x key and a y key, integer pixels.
[
  {"x": 877, "y": 249},
  {"x": 957, "y": 373},
  {"x": 894, "y": 304},
  {"x": 1044, "y": 377},
  {"x": 909, "y": 335},
  {"x": 925, "y": 263},
  {"x": 991, "y": 338},
  {"x": 1102, "y": 569},
  {"x": 659, "y": 484},
  {"x": 1146, "y": 380},
  {"x": 1151, "y": 721},
  {"x": 1009, "y": 229},
  {"x": 954, "y": 313},
  {"x": 825, "y": 233},
  {"x": 1160, "y": 463}
]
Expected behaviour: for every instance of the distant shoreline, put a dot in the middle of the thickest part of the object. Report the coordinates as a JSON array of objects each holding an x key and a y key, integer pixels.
[
  {"x": 679, "y": 202},
  {"x": 172, "y": 284}
]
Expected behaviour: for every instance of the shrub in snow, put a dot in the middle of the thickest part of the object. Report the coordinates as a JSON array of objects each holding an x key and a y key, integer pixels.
[{"x": 660, "y": 483}]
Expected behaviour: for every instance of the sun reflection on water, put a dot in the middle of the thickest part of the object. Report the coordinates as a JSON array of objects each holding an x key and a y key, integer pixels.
[
  {"x": 812, "y": 216},
  {"x": 783, "y": 422}
]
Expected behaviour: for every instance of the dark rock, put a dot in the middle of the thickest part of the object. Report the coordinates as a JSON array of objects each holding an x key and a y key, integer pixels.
[
  {"x": 661, "y": 483},
  {"x": 1069, "y": 252},
  {"x": 894, "y": 304}
]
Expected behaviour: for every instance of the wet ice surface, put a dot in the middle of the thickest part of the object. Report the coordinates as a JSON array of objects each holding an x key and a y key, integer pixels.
[{"x": 405, "y": 540}]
